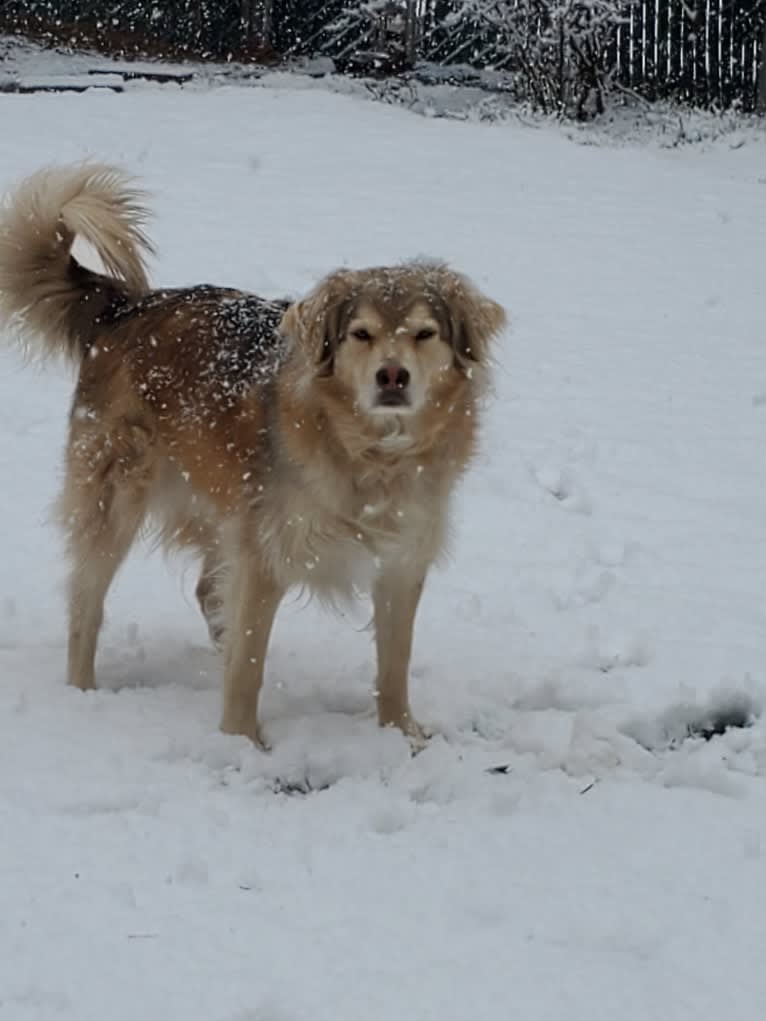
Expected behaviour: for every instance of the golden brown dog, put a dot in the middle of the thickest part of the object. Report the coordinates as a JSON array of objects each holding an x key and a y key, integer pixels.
[{"x": 314, "y": 444}]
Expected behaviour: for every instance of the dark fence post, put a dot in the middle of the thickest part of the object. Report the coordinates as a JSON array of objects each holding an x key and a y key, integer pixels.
[
  {"x": 760, "y": 101},
  {"x": 649, "y": 47},
  {"x": 724, "y": 69},
  {"x": 714, "y": 68},
  {"x": 661, "y": 70},
  {"x": 701, "y": 94}
]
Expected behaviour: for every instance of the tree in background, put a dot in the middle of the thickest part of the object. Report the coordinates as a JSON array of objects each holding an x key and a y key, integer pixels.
[{"x": 559, "y": 49}]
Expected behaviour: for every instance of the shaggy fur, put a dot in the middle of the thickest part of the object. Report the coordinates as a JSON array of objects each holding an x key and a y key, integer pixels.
[{"x": 313, "y": 444}]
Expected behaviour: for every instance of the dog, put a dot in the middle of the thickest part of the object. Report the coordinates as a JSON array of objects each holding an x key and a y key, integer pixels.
[{"x": 312, "y": 443}]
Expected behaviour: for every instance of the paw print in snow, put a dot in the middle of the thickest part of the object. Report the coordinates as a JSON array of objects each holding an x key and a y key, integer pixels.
[{"x": 564, "y": 487}]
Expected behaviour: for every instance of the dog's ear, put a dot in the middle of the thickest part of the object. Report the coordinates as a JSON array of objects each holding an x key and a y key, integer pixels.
[
  {"x": 317, "y": 324},
  {"x": 474, "y": 319}
]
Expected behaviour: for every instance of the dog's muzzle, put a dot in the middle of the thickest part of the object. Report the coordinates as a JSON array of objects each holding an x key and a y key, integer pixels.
[{"x": 392, "y": 381}]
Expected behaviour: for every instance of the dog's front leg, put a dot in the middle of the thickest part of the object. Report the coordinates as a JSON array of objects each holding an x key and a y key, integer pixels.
[
  {"x": 252, "y": 602},
  {"x": 396, "y": 596}
]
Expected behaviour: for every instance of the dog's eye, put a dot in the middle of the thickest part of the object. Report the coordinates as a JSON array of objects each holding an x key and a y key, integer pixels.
[
  {"x": 425, "y": 334},
  {"x": 361, "y": 334}
]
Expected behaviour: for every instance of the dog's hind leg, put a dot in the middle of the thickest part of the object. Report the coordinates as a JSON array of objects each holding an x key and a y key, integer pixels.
[
  {"x": 209, "y": 597},
  {"x": 198, "y": 534},
  {"x": 102, "y": 507}
]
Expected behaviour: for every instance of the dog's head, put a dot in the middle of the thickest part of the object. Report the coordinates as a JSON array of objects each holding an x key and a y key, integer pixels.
[{"x": 394, "y": 339}]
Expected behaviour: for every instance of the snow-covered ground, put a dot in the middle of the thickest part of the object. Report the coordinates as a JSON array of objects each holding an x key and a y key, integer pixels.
[{"x": 607, "y": 583}]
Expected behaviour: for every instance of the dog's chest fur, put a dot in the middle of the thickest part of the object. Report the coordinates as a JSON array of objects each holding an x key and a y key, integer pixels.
[{"x": 335, "y": 532}]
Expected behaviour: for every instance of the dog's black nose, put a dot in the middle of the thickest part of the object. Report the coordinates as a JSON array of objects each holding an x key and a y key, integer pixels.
[{"x": 392, "y": 377}]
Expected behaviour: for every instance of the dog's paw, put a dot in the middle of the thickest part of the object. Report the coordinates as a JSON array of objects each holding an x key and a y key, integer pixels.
[
  {"x": 252, "y": 731},
  {"x": 82, "y": 683},
  {"x": 417, "y": 735}
]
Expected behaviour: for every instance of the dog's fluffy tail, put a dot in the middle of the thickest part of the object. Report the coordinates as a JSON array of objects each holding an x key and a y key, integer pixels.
[{"x": 45, "y": 293}]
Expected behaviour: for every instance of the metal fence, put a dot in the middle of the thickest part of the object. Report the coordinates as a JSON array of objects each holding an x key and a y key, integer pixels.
[{"x": 707, "y": 52}]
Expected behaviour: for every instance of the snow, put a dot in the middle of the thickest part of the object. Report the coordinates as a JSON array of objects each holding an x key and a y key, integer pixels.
[{"x": 562, "y": 848}]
